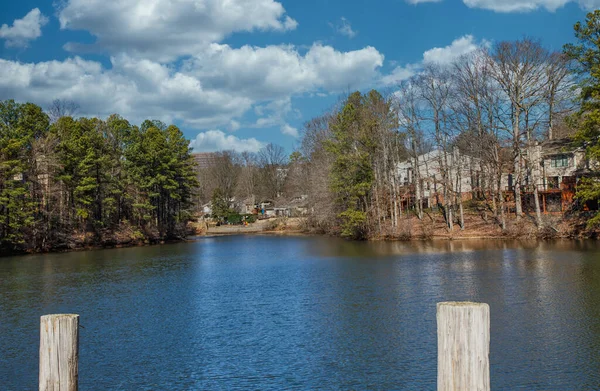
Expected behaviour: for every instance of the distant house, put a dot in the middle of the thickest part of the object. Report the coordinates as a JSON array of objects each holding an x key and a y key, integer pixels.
[
  {"x": 558, "y": 161},
  {"x": 249, "y": 206},
  {"x": 463, "y": 171},
  {"x": 554, "y": 168},
  {"x": 294, "y": 207},
  {"x": 277, "y": 212}
]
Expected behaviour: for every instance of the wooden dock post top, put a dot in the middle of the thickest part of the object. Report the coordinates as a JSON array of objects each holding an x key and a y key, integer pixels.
[
  {"x": 463, "y": 330},
  {"x": 59, "y": 352},
  {"x": 464, "y": 304},
  {"x": 59, "y": 316}
]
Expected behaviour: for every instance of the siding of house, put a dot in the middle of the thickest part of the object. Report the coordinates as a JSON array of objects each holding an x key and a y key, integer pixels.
[{"x": 464, "y": 171}]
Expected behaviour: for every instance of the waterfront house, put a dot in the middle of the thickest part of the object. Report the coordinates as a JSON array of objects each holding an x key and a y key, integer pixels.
[
  {"x": 554, "y": 167},
  {"x": 463, "y": 173}
]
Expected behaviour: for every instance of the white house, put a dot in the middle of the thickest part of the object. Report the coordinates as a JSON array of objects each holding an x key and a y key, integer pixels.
[{"x": 463, "y": 173}]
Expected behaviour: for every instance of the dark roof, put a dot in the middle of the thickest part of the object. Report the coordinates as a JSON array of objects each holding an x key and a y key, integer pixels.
[{"x": 559, "y": 146}]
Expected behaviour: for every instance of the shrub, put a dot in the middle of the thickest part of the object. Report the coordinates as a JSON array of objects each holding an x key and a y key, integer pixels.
[
  {"x": 234, "y": 218},
  {"x": 250, "y": 218}
]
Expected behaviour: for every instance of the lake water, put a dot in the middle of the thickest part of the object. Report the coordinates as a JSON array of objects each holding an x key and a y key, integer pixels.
[{"x": 304, "y": 313}]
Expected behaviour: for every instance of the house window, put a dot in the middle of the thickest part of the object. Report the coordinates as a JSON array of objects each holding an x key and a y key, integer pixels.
[{"x": 559, "y": 161}]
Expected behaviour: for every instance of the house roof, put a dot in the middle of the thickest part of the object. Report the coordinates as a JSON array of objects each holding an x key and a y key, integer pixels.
[{"x": 559, "y": 147}]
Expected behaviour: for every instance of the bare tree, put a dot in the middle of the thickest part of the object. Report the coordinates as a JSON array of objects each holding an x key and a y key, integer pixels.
[
  {"x": 410, "y": 120},
  {"x": 225, "y": 173},
  {"x": 271, "y": 160},
  {"x": 62, "y": 108},
  {"x": 475, "y": 106},
  {"x": 558, "y": 91},
  {"x": 434, "y": 91},
  {"x": 315, "y": 135},
  {"x": 520, "y": 69},
  {"x": 248, "y": 182}
]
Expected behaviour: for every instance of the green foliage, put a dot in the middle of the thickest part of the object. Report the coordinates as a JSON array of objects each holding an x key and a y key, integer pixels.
[
  {"x": 296, "y": 157},
  {"x": 220, "y": 204},
  {"x": 160, "y": 165},
  {"x": 352, "y": 146},
  {"x": 234, "y": 218},
  {"x": 354, "y": 223},
  {"x": 20, "y": 126},
  {"x": 586, "y": 57},
  {"x": 250, "y": 218},
  {"x": 89, "y": 175}
]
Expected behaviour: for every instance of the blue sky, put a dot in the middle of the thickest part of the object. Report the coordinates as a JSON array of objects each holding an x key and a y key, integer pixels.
[{"x": 238, "y": 74}]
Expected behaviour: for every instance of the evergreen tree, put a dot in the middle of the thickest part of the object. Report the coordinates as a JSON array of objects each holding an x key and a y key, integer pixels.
[
  {"x": 161, "y": 166},
  {"x": 220, "y": 204},
  {"x": 586, "y": 56},
  {"x": 352, "y": 171},
  {"x": 62, "y": 182},
  {"x": 20, "y": 125}
]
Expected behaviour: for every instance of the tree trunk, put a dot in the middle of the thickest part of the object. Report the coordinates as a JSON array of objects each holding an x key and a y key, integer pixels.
[
  {"x": 501, "y": 201},
  {"x": 517, "y": 184}
]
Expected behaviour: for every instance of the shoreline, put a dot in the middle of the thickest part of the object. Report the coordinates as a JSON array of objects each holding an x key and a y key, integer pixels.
[
  {"x": 418, "y": 231},
  {"x": 95, "y": 247},
  {"x": 193, "y": 238}
]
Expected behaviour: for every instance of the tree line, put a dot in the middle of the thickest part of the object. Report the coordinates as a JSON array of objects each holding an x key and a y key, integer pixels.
[
  {"x": 67, "y": 181},
  {"x": 482, "y": 115},
  {"x": 476, "y": 120},
  {"x": 233, "y": 180}
]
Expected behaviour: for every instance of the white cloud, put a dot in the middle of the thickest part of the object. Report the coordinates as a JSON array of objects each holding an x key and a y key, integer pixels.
[
  {"x": 166, "y": 29},
  {"x": 527, "y": 6},
  {"x": 136, "y": 89},
  {"x": 213, "y": 85},
  {"x": 589, "y": 5},
  {"x": 344, "y": 28},
  {"x": 216, "y": 140},
  {"x": 274, "y": 113},
  {"x": 213, "y": 90},
  {"x": 507, "y": 6},
  {"x": 289, "y": 130},
  {"x": 277, "y": 71},
  {"x": 399, "y": 74},
  {"x": 24, "y": 30},
  {"x": 440, "y": 56},
  {"x": 459, "y": 47}
]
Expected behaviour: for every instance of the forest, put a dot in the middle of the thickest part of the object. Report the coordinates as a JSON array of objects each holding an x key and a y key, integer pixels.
[{"x": 68, "y": 182}]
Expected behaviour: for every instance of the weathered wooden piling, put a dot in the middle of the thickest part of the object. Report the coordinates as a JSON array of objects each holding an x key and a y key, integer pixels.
[
  {"x": 463, "y": 330},
  {"x": 59, "y": 352}
]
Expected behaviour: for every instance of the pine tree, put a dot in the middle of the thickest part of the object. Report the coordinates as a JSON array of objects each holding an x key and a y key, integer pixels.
[
  {"x": 586, "y": 57},
  {"x": 20, "y": 125},
  {"x": 352, "y": 171}
]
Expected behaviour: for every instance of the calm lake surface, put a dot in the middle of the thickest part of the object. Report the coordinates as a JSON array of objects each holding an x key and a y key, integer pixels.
[{"x": 306, "y": 313}]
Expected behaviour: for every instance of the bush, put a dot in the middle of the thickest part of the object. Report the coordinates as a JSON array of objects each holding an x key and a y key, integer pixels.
[
  {"x": 250, "y": 218},
  {"x": 234, "y": 218}
]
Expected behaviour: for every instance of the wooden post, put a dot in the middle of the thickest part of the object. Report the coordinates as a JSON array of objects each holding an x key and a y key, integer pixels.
[
  {"x": 463, "y": 330},
  {"x": 59, "y": 352},
  {"x": 544, "y": 197}
]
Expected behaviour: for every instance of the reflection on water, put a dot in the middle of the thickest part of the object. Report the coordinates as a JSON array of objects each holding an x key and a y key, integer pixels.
[{"x": 304, "y": 313}]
